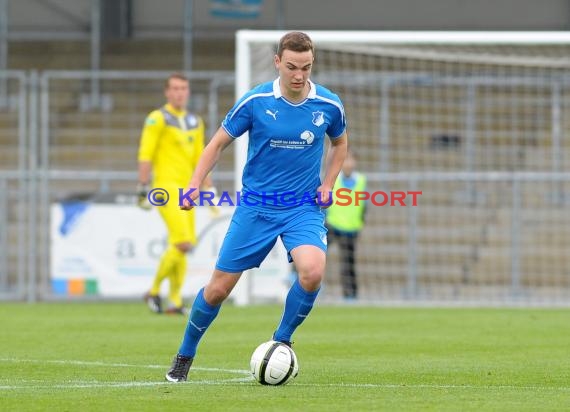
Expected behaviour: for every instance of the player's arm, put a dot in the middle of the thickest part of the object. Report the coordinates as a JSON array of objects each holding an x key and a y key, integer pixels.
[
  {"x": 145, "y": 171},
  {"x": 207, "y": 184},
  {"x": 208, "y": 160},
  {"x": 238, "y": 120},
  {"x": 152, "y": 129},
  {"x": 334, "y": 161}
]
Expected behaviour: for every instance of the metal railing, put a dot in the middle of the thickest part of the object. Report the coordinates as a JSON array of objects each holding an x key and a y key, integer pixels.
[
  {"x": 50, "y": 122},
  {"x": 14, "y": 222},
  {"x": 14, "y": 179},
  {"x": 514, "y": 195}
]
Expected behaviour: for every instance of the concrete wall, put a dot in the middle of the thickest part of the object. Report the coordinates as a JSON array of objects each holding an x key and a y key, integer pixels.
[
  {"x": 433, "y": 14},
  {"x": 153, "y": 18}
]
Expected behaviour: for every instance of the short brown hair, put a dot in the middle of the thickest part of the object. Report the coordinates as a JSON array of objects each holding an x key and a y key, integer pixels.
[
  {"x": 176, "y": 75},
  {"x": 295, "y": 41}
]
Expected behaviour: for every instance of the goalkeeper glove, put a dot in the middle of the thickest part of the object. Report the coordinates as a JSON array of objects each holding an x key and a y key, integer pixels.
[{"x": 142, "y": 197}]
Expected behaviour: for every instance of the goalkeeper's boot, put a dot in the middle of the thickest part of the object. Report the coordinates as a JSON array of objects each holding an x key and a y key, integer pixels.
[
  {"x": 153, "y": 302},
  {"x": 179, "y": 370}
]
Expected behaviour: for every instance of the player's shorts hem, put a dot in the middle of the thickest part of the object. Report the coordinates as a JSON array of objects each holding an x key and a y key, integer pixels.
[
  {"x": 233, "y": 270},
  {"x": 290, "y": 258}
]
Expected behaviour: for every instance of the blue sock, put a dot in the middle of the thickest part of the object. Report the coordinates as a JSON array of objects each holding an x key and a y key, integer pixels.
[
  {"x": 201, "y": 316},
  {"x": 298, "y": 304}
]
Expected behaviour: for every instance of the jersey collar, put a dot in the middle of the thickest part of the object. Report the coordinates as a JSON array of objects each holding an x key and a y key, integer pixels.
[
  {"x": 172, "y": 110},
  {"x": 277, "y": 90}
]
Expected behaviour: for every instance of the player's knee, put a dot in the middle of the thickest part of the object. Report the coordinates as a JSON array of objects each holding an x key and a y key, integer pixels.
[{"x": 311, "y": 277}]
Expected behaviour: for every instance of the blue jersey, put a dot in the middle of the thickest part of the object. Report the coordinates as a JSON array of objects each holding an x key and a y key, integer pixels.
[{"x": 286, "y": 142}]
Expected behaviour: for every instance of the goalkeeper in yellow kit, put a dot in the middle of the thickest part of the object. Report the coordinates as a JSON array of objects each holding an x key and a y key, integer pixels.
[{"x": 171, "y": 143}]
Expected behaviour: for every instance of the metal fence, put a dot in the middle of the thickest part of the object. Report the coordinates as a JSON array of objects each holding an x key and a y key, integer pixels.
[
  {"x": 480, "y": 237},
  {"x": 14, "y": 176},
  {"x": 89, "y": 136},
  {"x": 506, "y": 245}
]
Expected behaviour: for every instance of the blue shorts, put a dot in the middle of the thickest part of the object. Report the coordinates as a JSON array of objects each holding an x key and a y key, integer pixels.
[{"x": 253, "y": 233}]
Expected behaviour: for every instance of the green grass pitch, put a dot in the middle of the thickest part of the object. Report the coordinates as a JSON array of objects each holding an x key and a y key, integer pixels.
[{"x": 113, "y": 356}]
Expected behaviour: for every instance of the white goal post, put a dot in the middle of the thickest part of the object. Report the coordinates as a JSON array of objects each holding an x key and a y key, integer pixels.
[
  {"x": 480, "y": 121},
  {"x": 247, "y": 39}
]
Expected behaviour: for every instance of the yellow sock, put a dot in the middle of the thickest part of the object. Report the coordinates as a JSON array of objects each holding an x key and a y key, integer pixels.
[
  {"x": 177, "y": 281},
  {"x": 166, "y": 268}
]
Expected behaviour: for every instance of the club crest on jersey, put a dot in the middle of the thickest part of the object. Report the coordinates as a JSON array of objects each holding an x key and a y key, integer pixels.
[
  {"x": 192, "y": 121},
  {"x": 318, "y": 118},
  {"x": 308, "y": 136}
]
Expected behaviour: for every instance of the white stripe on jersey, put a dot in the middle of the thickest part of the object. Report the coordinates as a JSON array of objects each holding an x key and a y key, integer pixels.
[
  {"x": 338, "y": 105},
  {"x": 253, "y": 96}
]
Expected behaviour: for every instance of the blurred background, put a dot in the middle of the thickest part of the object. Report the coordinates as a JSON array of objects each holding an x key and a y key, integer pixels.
[{"x": 479, "y": 123}]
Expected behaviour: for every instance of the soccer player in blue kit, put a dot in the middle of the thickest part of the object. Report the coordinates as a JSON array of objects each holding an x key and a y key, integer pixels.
[{"x": 287, "y": 120}]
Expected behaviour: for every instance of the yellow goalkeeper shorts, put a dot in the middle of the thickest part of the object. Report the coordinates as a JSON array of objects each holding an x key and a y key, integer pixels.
[{"x": 180, "y": 223}]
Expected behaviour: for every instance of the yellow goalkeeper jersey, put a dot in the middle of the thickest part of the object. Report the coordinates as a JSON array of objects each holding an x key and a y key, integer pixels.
[{"x": 173, "y": 141}]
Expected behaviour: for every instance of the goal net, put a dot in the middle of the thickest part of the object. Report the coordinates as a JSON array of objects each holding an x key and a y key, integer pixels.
[{"x": 478, "y": 122}]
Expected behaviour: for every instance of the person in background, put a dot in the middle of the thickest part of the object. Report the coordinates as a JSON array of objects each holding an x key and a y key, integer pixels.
[
  {"x": 171, "y": 144},
  {"x": 344, "y": 223}
]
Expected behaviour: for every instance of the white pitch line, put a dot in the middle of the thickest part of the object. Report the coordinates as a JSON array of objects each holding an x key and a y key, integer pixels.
[
  {"x": 426, "y": 386},
  {"x": 116, "y": 365},
  {"x": 247, "y": 379},
  {"x": 97, "y": 384}
]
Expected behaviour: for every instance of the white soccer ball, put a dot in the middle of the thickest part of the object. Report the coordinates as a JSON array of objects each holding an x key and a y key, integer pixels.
[{"x": 274, "y": 363}]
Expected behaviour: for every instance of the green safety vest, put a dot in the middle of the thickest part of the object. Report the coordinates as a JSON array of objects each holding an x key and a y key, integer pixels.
[{"x": 347, "y": 218}]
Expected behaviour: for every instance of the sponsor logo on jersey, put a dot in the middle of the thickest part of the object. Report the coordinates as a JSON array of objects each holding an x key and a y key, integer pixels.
[
  {"x": 272, "y": 114},
  {"x": 308, "y": 136}
]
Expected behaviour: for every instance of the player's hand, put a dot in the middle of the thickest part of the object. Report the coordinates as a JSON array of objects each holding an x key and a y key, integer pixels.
[
  {"x": 194, "y": 194},
  {"x": 324, "y": 196},
  {"x": 142, "y": 197}
]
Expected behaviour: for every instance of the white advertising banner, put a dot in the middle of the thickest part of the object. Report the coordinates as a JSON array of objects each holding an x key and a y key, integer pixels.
[{"x": 113, "y": 250}]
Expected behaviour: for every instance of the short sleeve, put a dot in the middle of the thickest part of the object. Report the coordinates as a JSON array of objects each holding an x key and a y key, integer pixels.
[
  {"x": 152, "y": 129},
  {"x": 337, "y": 125},
  {"x": 240, "y": 118}
]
